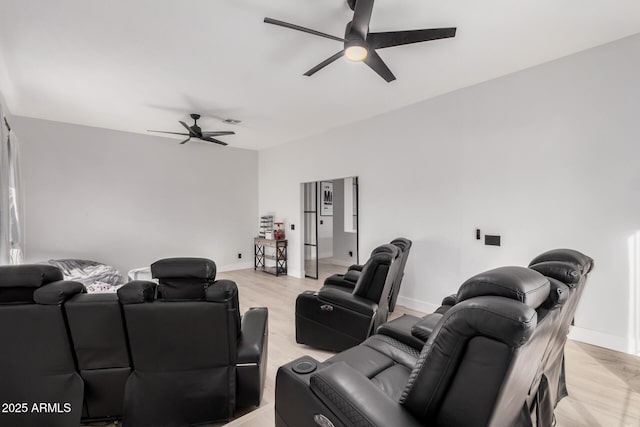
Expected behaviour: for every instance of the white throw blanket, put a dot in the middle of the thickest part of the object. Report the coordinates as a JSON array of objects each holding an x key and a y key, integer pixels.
[{"x": 95, "y": 276}]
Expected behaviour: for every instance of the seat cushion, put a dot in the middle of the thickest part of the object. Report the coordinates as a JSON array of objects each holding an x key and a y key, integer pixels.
[{"x": 386, "y": 361}]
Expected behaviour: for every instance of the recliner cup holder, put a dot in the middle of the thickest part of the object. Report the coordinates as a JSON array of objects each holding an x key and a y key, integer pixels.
[{"x": 304, "y": 367}]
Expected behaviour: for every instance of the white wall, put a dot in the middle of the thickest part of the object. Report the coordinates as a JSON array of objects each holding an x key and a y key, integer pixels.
[
  {"x": 343, "y": 242},
  {"x": 128, "y": 199},
  {"x": 547, "y": 157},
  {"x": 4, "y": 107},
  {"x": 325, "y": 230}
]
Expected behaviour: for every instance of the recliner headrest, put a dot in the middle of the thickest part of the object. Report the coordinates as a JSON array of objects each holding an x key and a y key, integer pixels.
[
  {"x": 519, "y": 283},
  {"x": 184, "y": 268},
  {"x": 402, "y": 243},
  {"x": 19, "y": 282},
  {"x": 565, "y": 272},
  {"x": 386, "y": 249},
  {"x": 28, "y": 275},
  {"x": 183, "y": 279},
  {"x": 583, "y": 262}
]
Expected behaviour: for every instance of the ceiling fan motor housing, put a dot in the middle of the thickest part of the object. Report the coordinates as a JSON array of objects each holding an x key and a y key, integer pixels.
[{"x": 353, "y": 38}]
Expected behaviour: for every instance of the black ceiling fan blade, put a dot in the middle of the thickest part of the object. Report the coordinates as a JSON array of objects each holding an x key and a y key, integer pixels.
[
  {"x": 324, "y": 63},
  {"x": 171, "y": 133},
  {"x": 221, "y": 133},
  {"x": 376, "y": 63},
  {"x": 185, "y": 141},
  {"x": 398, "y": 38},
  {"x": 362, "y": 17},
  {"x": 215, "y": 141},
  {"x": 187, "y": 128},
  {"x": 303, "y": 29}
]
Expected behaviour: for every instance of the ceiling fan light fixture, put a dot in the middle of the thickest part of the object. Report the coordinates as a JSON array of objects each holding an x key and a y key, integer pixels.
[{"x": 356, "y": 53}]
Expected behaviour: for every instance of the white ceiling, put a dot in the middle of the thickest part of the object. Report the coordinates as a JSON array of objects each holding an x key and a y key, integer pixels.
[{"x": 145, "y": 64}]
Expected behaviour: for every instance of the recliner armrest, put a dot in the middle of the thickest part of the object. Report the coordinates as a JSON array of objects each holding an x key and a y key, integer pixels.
[
  {"x": 400, "y": 329},
  {"x": 58, "y": 292},
  {"x": 355, "y": 399},
  {"x": 423, "y": 329},
  {"x": 251, "y": 341},
  {"x": 352, "y": 276},
  {"x": 347, "y": 300},
  {"x": 137, "y": 292},
  {"x": 356, "y": 267},
  {"x": 450, "y": 300}
]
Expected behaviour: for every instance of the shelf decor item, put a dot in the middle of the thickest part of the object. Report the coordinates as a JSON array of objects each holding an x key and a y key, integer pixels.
[
  {"x": 266, "y": 227},
  {"x": 279, "y": 233}
]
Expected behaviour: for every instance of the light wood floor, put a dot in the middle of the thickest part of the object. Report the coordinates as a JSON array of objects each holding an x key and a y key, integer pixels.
[{"x": 604, "y": 386}]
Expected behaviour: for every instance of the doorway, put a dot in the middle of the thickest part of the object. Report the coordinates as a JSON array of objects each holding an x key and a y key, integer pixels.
[{"x": 331, "y": 225}]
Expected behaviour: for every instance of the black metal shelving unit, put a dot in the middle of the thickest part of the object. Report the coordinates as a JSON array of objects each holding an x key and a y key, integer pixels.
[{"x": 270, "y": 250}]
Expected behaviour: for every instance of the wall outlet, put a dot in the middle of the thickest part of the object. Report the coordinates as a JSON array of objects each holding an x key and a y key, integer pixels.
[
  {"x": 239, "y": 255},
  {"x": 351, "y": 254},
  {"x": 293, "y": 227}
]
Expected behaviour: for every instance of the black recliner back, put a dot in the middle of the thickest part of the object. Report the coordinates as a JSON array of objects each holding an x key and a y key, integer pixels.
[
  {"x": 37, "y": 367},
  {"x": 405, "y": 247},
  {"x": 377, "y": 280},
  {"x": 484, "y": 351},
  {"x": 102, "y": 352},
  {"x": 567, "y": 271},
  {"x": 183, "y": 345},
  {"x": 377, "y": 272}
]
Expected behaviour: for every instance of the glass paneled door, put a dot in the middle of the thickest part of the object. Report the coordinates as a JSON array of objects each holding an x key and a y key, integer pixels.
[{"x": 310, "y": 212}]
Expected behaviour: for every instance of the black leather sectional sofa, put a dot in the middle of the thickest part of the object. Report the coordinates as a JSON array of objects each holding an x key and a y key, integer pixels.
[
  {"x": 491, "y": 355},
  {"x": 176, "y": 353}
]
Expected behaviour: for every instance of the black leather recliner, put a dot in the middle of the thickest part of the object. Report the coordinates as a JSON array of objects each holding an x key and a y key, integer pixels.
[
  {"x": 194, "y": 359},
  {"x": 567, "y": 271},
  {"x": 335, "y": 318},
  {"x": 475, "y": 369},
  {"x": 349, "y": 279},
  {"x": 37, "y": 370}
]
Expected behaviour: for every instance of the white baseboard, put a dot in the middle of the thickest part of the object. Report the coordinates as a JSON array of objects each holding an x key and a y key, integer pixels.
[
  {"x": 295, "y": 273},
  {"x": 418, "y": 305},
  {"x": 340, "y": 262},
  {"x": 601, "y": 339},
  {"x": 237, "y": 266}
]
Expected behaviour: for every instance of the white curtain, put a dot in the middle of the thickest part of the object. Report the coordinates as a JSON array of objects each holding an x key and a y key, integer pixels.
[
  {"x": 16, "y": 207},
  {"x": 11, "y": 207},
  {"x": 4, "y": 192}
]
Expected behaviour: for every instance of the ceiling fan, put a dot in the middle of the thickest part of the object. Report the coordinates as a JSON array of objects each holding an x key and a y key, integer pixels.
[
  {"x": 196, "y": 132},
  {"x": 361, "y": 45}
]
